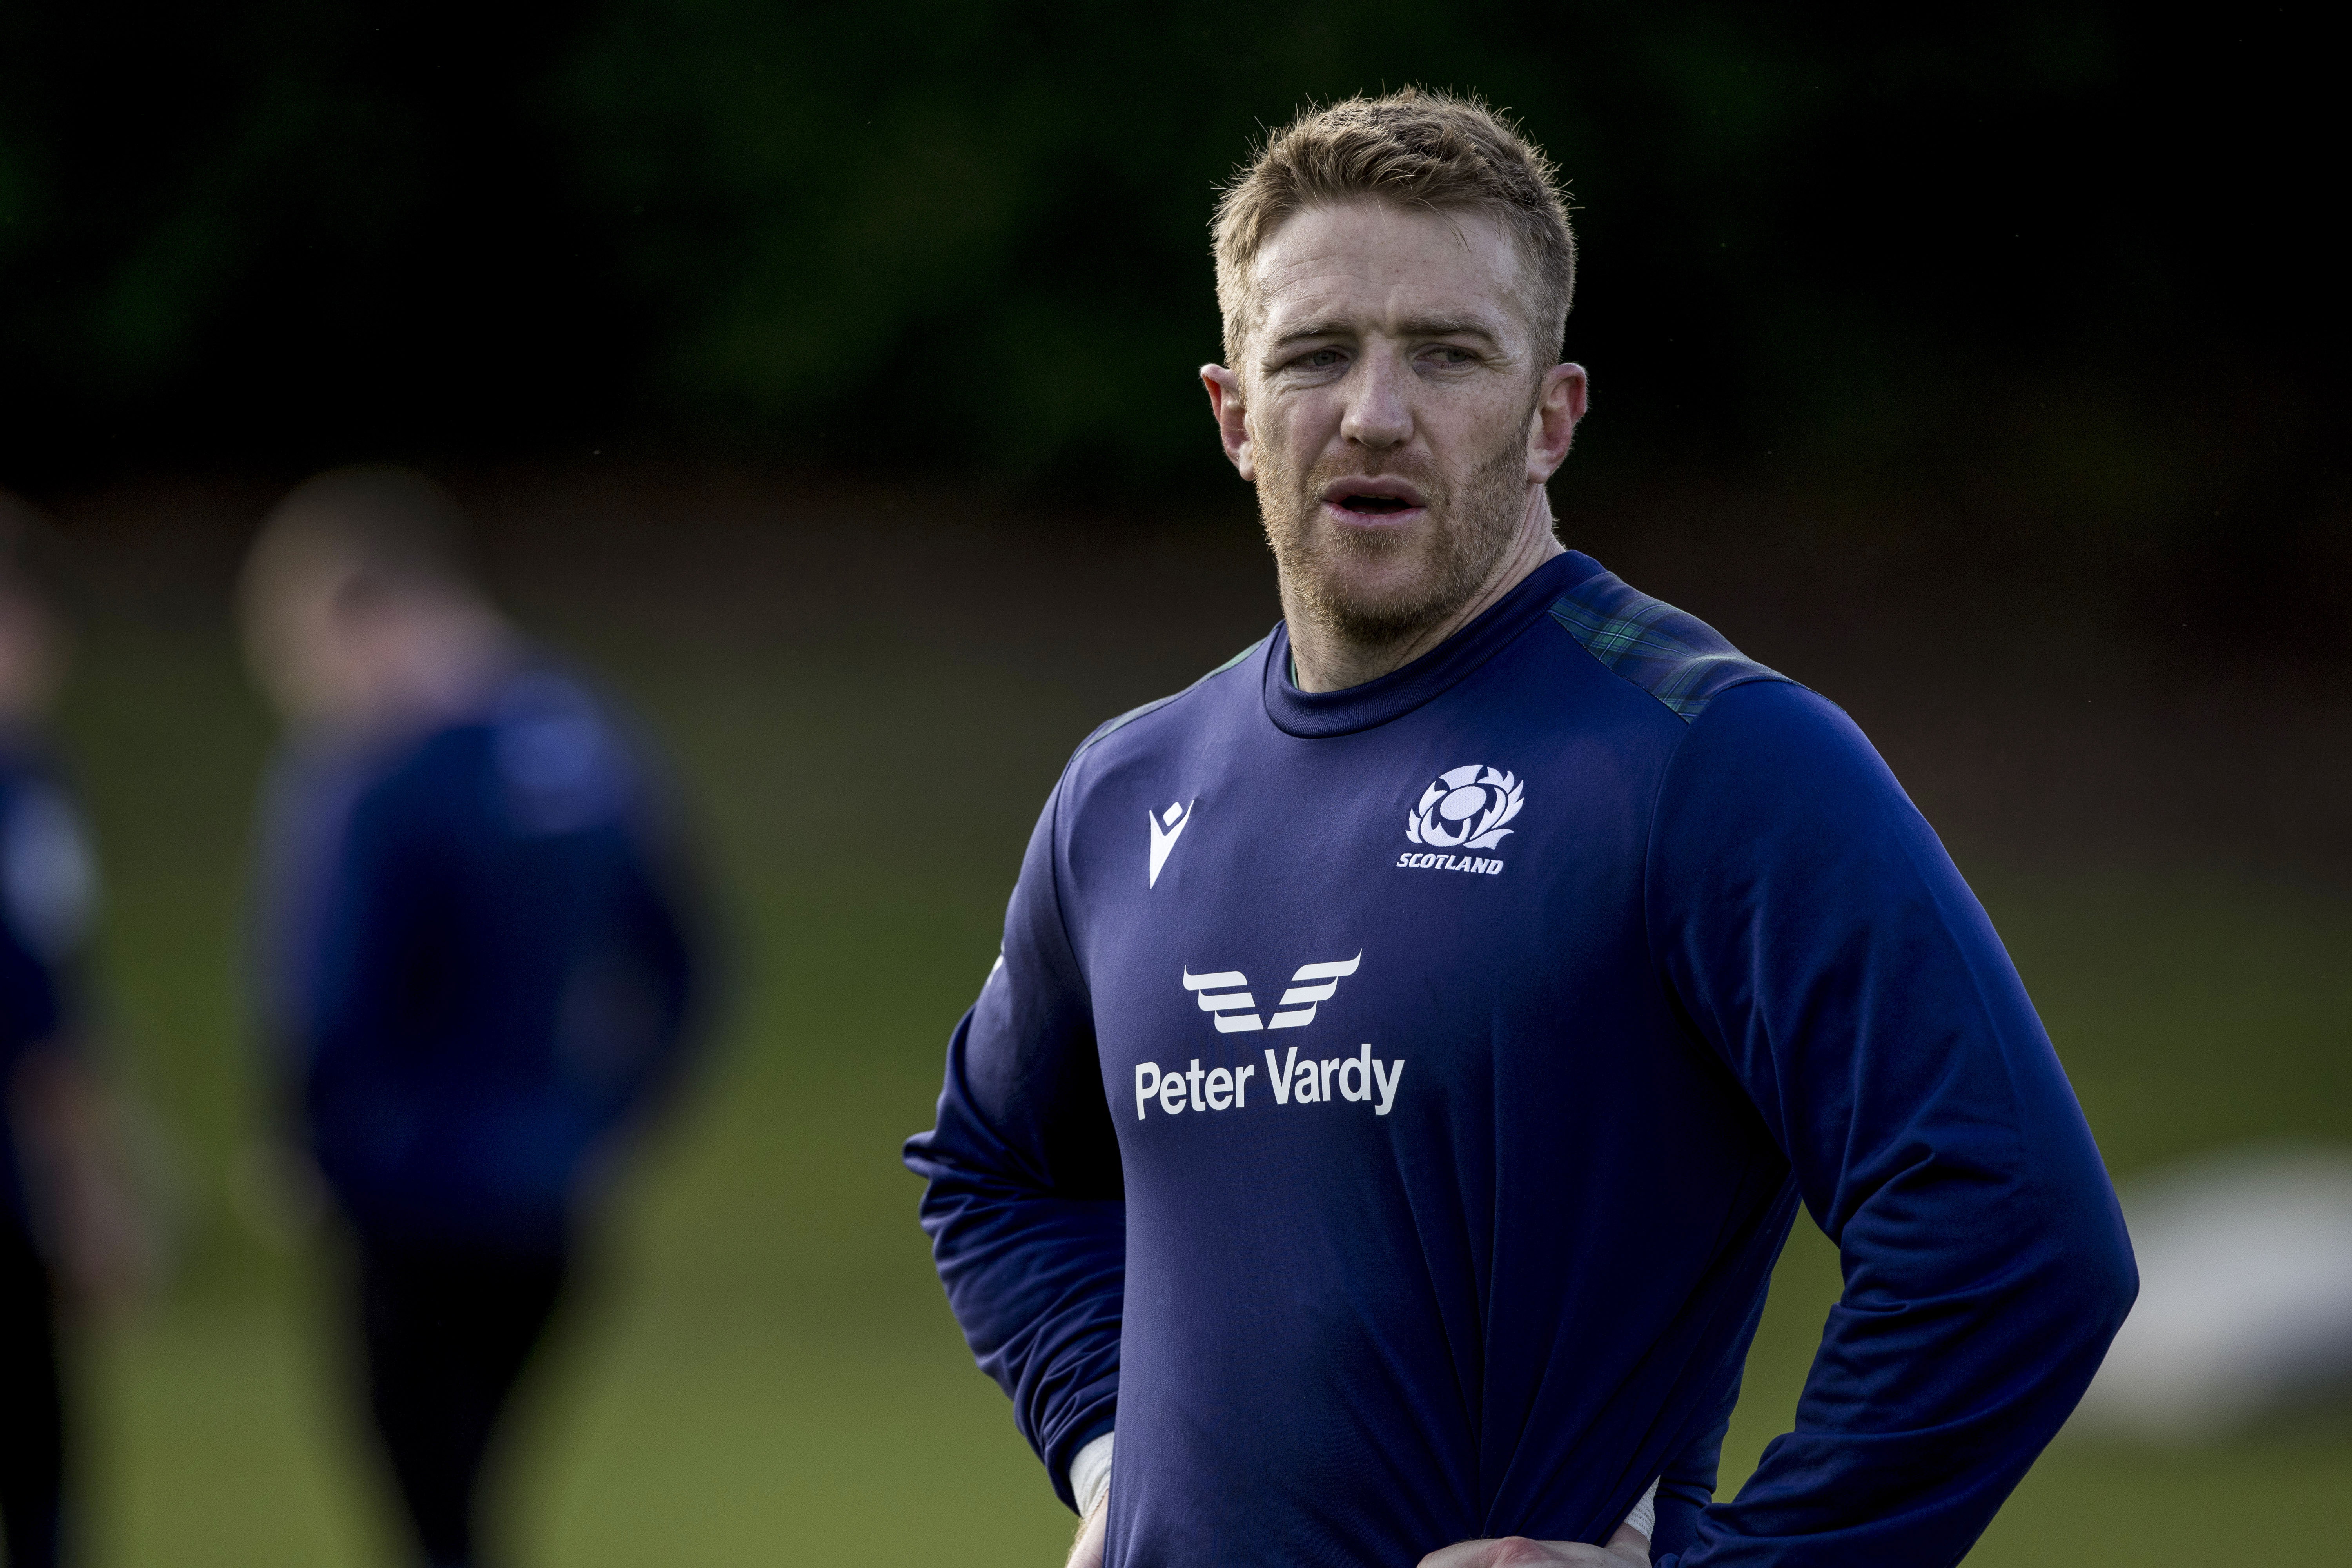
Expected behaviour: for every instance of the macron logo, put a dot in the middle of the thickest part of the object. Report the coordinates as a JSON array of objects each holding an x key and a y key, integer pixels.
[
  {"x": 1224, "y": 995},
  {"x": 1166, "y": 828}
]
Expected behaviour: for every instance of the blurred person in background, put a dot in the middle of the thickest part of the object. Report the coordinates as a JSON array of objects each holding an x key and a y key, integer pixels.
[
  {"x": 477, "y": 956},
  {"x": 68, "y": 1228}
]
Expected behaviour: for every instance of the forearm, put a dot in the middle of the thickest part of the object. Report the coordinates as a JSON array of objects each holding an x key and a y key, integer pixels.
[
  {"x": 1908, "y": 1442},
  {"x": 1037, "y": 1285},
  {"x": 1035, "y": 1271},
  {"x": 1026, "y": 1202},
  {"x": 77, "y": 1159}
]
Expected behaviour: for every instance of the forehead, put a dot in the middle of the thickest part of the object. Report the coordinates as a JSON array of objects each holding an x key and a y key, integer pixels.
[{"x": 1373, "y": 264}]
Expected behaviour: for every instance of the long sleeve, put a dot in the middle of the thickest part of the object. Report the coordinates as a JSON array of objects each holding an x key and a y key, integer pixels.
[
  {"x": 1024, "y": 1206},
  {"x": 369, "y": 967},
  {"x": 48, "y": 888},
  {"x": 1821, "y": 942},
  {"x": 658, "y": 984},
  {"x": 48, "y": 897}
]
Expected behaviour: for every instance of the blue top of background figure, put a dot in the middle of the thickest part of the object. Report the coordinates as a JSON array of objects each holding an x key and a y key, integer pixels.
[
  {"x": 478, "y": 966},
  {"x": 48, "y": 883}
]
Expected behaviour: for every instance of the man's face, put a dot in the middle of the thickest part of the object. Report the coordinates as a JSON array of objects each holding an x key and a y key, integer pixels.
[
  {"x": 315, "y": 649},
  {"x": 293, "y": 640},
  {"x": 1392, "y": 409}
]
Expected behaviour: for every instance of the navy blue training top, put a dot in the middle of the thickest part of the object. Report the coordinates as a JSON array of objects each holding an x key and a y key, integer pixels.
[
  {"x": 478, "y": 964},
  {"x": 46, "y": 891},
  {"x": 1390, "y": 1104}
]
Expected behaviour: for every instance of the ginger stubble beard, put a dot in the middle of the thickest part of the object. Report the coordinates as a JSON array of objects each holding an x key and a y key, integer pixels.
[{"x": 1468, "y": 533}]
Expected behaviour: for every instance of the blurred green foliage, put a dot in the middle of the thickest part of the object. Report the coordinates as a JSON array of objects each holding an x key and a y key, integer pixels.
[{"x": 970, "y": 237}]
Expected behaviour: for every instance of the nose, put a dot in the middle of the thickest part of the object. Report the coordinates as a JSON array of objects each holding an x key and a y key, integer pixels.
[{"x": 1379, "y": 415}]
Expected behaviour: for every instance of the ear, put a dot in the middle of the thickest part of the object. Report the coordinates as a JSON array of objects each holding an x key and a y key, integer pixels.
[
  {"x": 1559, "y": 404},
  {"x": 1232, "y": 419}
]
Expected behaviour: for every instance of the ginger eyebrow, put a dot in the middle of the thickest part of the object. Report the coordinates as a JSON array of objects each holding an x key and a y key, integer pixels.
[
  {"x": 1444, "y": 327},
  {"x": 1426, "y": 327}
]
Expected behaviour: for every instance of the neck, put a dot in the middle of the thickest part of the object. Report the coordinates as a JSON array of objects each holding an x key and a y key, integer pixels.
[{"x": 1328, "y": 660}]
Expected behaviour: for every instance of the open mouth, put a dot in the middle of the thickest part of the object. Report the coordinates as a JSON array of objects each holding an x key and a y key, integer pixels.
[{"x": 1372, "y": 497}]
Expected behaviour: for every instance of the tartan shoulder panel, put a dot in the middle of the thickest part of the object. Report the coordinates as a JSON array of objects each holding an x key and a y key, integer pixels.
[
  {"x": 1672, "y": 655},
  {"x": 1114, "y": 726}
]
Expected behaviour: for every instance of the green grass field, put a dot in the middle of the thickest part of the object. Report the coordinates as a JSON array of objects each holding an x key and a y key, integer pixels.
[{"x": 769, "y": 1374}]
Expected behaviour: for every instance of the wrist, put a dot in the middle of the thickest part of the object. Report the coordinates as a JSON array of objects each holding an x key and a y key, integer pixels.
[{"x": 1090, "y": 1474}]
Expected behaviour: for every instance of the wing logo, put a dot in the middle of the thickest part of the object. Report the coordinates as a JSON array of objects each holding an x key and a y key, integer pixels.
[
  {"x": 1443, "y": 818},
  {"x": 1166, "y": 828},
  {"x": 1224, "y": 995}
]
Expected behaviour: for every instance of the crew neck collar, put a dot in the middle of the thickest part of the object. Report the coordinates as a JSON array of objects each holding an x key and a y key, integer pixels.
[{"x": 1318, "y": 715}]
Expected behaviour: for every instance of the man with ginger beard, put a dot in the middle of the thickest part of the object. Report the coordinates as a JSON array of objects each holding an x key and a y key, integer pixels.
[{"x": 1410, "y": 1042}]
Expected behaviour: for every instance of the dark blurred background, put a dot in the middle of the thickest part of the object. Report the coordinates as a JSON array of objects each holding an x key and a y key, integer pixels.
[
  {"x": 824, "y": 373},
  {"x": 2072, "y": 251},
  {"x": 2036, "y": 303}
]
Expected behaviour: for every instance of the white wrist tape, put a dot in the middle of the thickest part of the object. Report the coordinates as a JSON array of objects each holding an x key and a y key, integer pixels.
[
  {"x": 1645, "y": 1512},
  {"x": 1090, "y": 1474}
]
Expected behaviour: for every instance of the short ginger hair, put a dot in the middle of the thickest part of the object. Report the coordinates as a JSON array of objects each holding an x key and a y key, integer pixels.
[{"x": 1436, "y": 151}]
